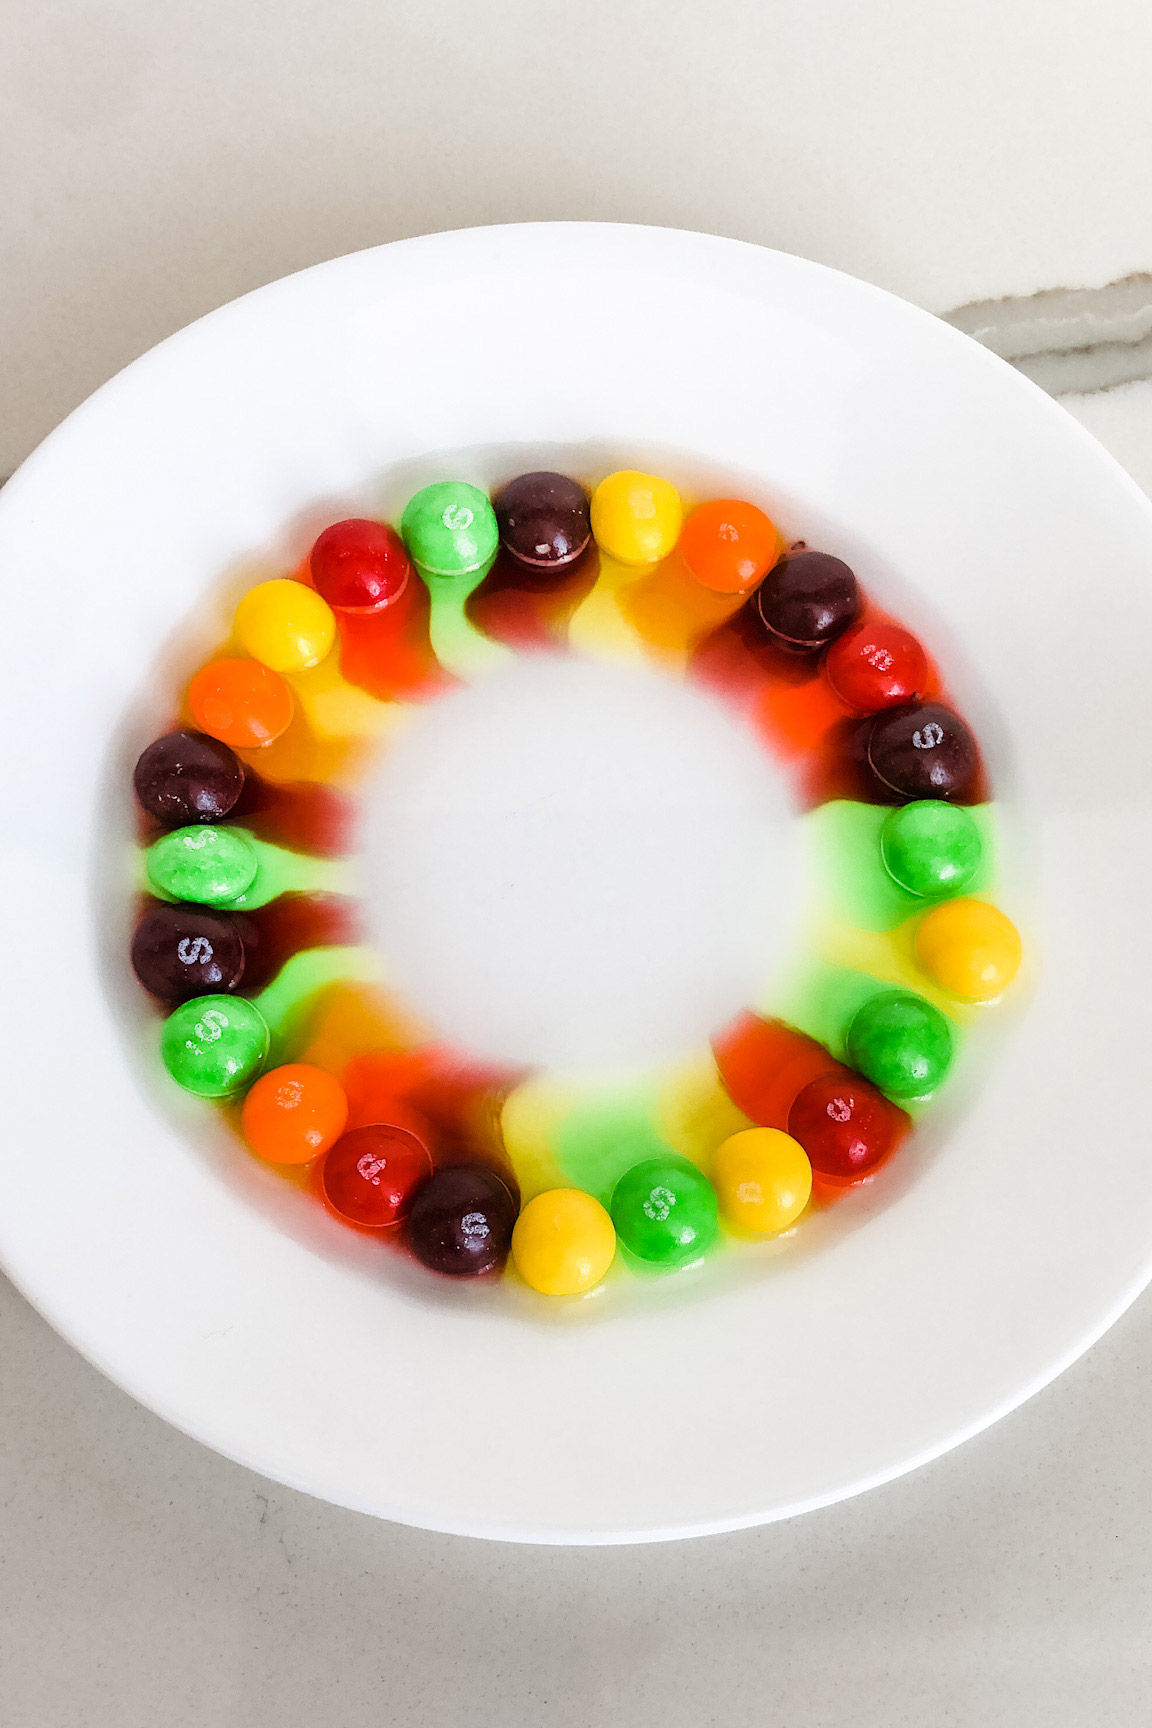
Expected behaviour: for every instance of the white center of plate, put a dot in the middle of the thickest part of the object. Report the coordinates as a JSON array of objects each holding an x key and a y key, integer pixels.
[{"x": 576, "y": 865}]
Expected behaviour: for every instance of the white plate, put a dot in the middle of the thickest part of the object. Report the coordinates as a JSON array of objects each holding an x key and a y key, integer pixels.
[{"x": 1006, "y": 1250}]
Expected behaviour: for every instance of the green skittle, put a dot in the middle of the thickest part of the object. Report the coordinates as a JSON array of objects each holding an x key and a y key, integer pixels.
[
  {"x": 450, "y": 531},
  {"x": 214, "y": 1045},
  {"x": 256, "y": 873},
  {"x": 209, "y": 865}
]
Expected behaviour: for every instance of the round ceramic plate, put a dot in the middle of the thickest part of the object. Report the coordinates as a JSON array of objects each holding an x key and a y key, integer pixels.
[{"x": 1012, "y": 1240}]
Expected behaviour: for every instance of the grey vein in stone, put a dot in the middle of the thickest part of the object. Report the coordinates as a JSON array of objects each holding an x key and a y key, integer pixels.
[{"x": 1069, "y": 339}]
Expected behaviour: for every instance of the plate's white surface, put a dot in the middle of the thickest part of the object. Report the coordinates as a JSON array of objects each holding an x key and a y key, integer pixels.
[{"x": 1012, "y": 1248}]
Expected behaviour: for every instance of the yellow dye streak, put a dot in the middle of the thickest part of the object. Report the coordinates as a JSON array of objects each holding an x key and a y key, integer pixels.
[
  {"x": 529, "y": 1119},
  {"x": 888, "y": 955},
  {"x": 358, "y": 1018},
  {"x": 694, "y": 1113},
  {"x": 673, "y": 612},
  {"x": 336, "y": 730},
  {"x": 336, "y": 710},
  {"x": 600, "y": 626}
]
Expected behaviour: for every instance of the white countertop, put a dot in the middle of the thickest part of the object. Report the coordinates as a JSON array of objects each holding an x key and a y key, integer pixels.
[{"x": 158, "y": 161}]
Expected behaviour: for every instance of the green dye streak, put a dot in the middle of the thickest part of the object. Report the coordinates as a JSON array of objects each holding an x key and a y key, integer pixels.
[
  {"x": 288, "y": 1004},
  {"x": 605, "y": 1136},
  {"x": 841, "y": 842},
  {"x": 456, "y": 642},
  {"x": 278, "y": 871}
]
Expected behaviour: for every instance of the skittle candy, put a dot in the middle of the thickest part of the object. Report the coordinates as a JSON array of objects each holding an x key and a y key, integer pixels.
[
  {"x": 729, "y": 545},
  {"x": 359, "y": 566},
  {"x": 543, "y": 520},
  {"x": 285, "y": 625},
  {"x": 807, "y": 600},
  {"x": 335, "y": 1080},
  {"x": 211, "y": 873},
  {"x": 923, "y": 750},
  {"x": 664, "y": 1211},
  {"x": 188, "y": 777},
  {"x": 450, "y": 529},
  {"x": 970, "y": 949},
  {"x": 183, "y": 951},
  {"x": 208, "y": 865},
  {"x": 876, "y": 666},
  {"x": 636, "y": 518},
  {"x": 240, "y": 702},
  {"x": 901, "y": 1043},
  {"x": 763, "y": 1180},
  {"x": 847, "y": 1129},
  {"x": 293, "y": 1114},
  {"x": 372, "y": 1174},
  {"x": 563, "y": 1242},
  {"x": 461, "y": 1221},
  {"x": 215, "y": 1045},
  {"x": 930, "y": 848}
]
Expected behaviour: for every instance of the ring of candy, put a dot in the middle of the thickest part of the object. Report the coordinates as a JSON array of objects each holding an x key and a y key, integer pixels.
[{"x": 247, "y": 936}]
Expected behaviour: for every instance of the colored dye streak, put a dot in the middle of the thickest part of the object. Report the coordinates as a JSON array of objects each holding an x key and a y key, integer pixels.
[
  {"x": 279, "y": 871},
  {"x": 459, "y": 1099},
  {"x": 605, "y": 1135},
  {"x": 822, "y": 999},
  {"x": 291, "y": 1002},
  {"x": 673, "y": 612},
  {"x": 794, "y": 709},
  {"x": 338, "y": 712},
  {"x": 765, "y": 1063},
  {"x": 845, "y": 871},
  {"x": 530, "y": 1118},
  {"x": 302, "y": 752},
  {"x": 694, "y": 1113},
  {"x": 462, "y": 1097},
  {"x": 775, "y": 640},
  {"x": 272, "y": 934},
  {"x": 389, "y": 654},
  {"x": 530, "y": 610},
  {"x": 302, "y": 816},
  {"x": 601, "y": 626},
  {"x": 375, "y": 1080},
  {"x": 888, "y": 957},
  {"x": 460, "y": 648},
  {"x": 557, "y": 1133},
  {"x": 358, "y": 1020},
  {"x": 299, "y": 755}
]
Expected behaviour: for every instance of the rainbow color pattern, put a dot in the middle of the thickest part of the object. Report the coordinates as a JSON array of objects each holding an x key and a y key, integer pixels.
[{"x": 476, "y": 1169}]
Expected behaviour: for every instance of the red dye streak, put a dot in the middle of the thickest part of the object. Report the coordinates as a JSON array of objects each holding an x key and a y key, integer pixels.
[
  {"x": 765, "y": 1065},
  {"x": 456, "y": 1095},
  {"x": 273, "y": 933},
  {"x": 797, "y": 714},
  {"x": 530, "y": 612},
  {"x": 303, "y": 816}
]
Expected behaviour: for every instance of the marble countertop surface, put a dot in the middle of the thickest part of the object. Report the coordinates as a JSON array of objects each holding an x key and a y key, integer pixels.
[{"x": 158, "y": 161}]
